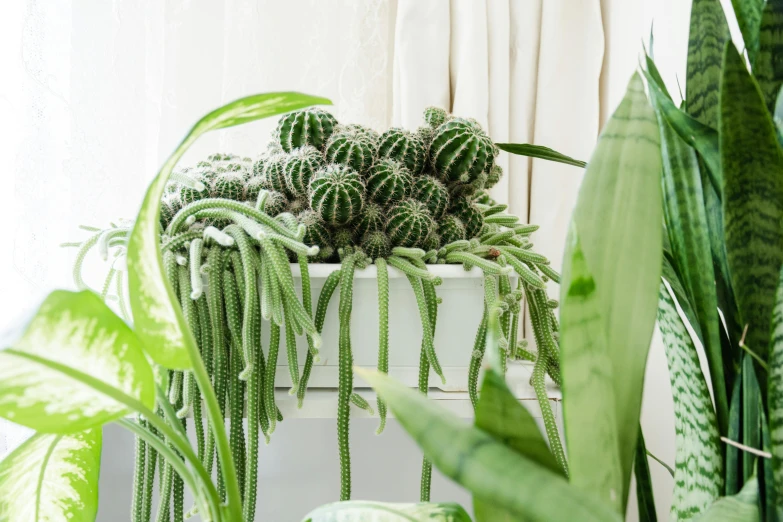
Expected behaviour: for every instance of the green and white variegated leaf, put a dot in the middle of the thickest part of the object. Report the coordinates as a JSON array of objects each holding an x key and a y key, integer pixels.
[
  {"x": 775, "y": 383},
  {"x": 365, "y": 511},
  {"x": 742, "y": 507},
  {"x": 698, "y": 470},
  {"x": 158, "y": 319},
  {"x": 752, "y": 198},
  {"x": 52, "y": 478},
  {"x": 76, "y": 366},
  {"x": 622, "y": 179}
]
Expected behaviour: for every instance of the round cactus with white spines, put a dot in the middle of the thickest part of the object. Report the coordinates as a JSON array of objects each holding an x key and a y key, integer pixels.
[
  {"x": 461, "y": 151},
  {"x": 432, "y": 242},
  {"x": 493, "y": 176},
  {"x": 376, "y": 244},
  {"x": 389, "y": 182},
  {"x": 432, "y": 193},
  {"x": 311, "y": 126},
  {"x": 470, "y": 215},
  {"x": 299, "y": 168},
  {"x": 343, "y": 237},
  {"x": 404, "y": 146},
  {"x": 253, "y": 187},
  {"x": 353, "y": 148},
  {"x": 275, "y": 203},
  {"x": 451, "y": 229},
  {"x": 409, "y": 223},
  {"x": 274, "y": 173},
  {"x": 337, "y": 194},
  {"x": 372, "y": 218},
  {"x": 435, "y": 116},
  {"x": 297, "y": 205},
  {"x": 229, "y": 185}
]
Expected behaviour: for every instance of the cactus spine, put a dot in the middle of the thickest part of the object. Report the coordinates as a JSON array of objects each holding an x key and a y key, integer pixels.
[
  {"x": 337, "y": 194},
  {"x": 409, "y": 223},
  {"x": 299, "y": 168},
  {"x": 461, "y": 151},
  {"x": 389, "y": 182},
  {"x": 353, "y": 148},
  {"x": 312, "y": 126},
  {"x": 432, "y": 193},
  {"x": 405, "y": 147}
]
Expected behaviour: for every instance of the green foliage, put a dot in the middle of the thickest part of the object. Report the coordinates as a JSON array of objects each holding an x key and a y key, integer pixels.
[
  {"x": 537, "y": 151},
  {"x": 409, "y": 223},
  {"x": 403, "y": 146},
  {"x": 311, "y": 126},
  {"x": 389, "y": 182},
  {"x": 461, "y": 151},
  {"x": 353, "y": 148},
  {"x": 337, "y": 194},
  {"x": 300, "y": 167},
  {"x": 451, "y": 229},
  {"x": 470, "y": 215},
  {"x": 371, "y": 219},
  {"x": 376, "y": 245},
  {"x": 433, "y": 194},
  {"x": 435, "y": 116}
]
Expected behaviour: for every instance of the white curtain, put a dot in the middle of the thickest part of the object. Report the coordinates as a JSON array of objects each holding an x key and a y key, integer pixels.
[{"x": 95, "y": 94}]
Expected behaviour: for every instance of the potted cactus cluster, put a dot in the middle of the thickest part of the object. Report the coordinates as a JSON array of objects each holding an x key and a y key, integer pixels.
[{"x": 231, "y": 231}]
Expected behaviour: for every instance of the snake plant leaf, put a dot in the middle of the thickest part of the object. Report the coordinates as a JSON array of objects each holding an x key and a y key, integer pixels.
[
  {"x": 158, "y": 319},
  {"x": 742, "y": 507},
  {"x": 622, "y": 179},
  {"x": 52, "y": 477},
  {"x": 669, "y": 273},
  {"x": 696, "y": 134},
  {"x": 365, "y": 511},
  {"x": 733, "y": 459},
  {"x": 768, "y": 67},
  {"x": 539, "y": 151},
  {"x": 696, "y": 429},
  {"x": 775, "y": 387},
  {"x": 708, "y": 35},
  {"x": 748, "y": 14},
  {"x": 591, "y": 434},
  {"x": 752, "y": 199},
  {"x": 644, "y": 491},
  {"x": 687, "y": 227},
  {"x": 777, "y": 115},
  {"x": 76, "y": 366},
  {"x": 751, "y": 416},
  {"x": 488, "y": 469}
]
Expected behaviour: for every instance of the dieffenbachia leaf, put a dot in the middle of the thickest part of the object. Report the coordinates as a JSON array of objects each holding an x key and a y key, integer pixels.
[
  {"x": 591, "y": 434},
  {"x": 742, "y": 507},
  {"x": 708, "y": 35},
  {"x": 748, "y": 14},
  {"x": 157, "y": 317},
  {"x": 364, "y": 511},
  {"x": 768, "y": 67},
  {"x": 752, "y": 198},
  {"x": 688, "y": 233},
  {"x": 622, "y": 179},
  {"x": 775, "y": 387},
  {"x": 487, "y": 468},
  {"x": 76, "y": 366},
  {"x": 52, "y": 477},
  {"x": 500, "y": 415},
  {"x": 541, "y": 152},
  {"x": 695, "y": 424}
]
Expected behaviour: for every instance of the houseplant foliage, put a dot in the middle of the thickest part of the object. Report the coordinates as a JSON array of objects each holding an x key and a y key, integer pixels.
[{"x": 202, "y": 278}]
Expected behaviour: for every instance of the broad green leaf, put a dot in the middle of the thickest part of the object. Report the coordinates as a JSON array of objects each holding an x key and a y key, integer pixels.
[
  {"x": 76, "y": 366},
  {"x": 699, "y": 136},
  {"x": 500, "y": 415},
  {"x": 696, "y": 429},
  {"x": 51, "y": 478},
  {"x": 538, "y": 151},
  {"x": 644, "y": 488},
  {"x": 688, "y": 231},
  {"x": 748, "y": 14},
  {"x": 488, "y": 469},
  {"x": 742, "y": 507},
  {"x": 591, "y": 434},
  {"x": 365, "y": 511},
  {"x": 775, "y": 387},
  {"x": 623, "y": 257},
  {"x": 708, "y": 35},
  {"x": 768, "y": 67},
  {"x": 158, "y": 319},
  {"x": 752, "y": 199}
]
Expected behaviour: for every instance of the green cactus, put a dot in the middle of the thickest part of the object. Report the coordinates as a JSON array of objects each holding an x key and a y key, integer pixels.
[
  {"x": 311, "y": 126},
  {"x": 274, "y": 173},
  {"x": 484, "y": 198},
  {"x": 228, "y": 186},
  {"x": 297, "y": 205},
  {"x": 493, "y": 176},
  {"x": 169, "y": 205},
  {"x": 253, "y": 187},
  {"x": 371, "y": 219},
  {"x": 354, "y": 148},
  {"x": 451, "y": 229},
  {"x": 432, "y": 242},
  {"x": 342, "y": 238},
  {"x": 425, "y": 133},
  {"x": 337, "y": 194},
  {"x": 409, "y": 223},
  {"x": 405, "y": 147},
  {"x": 470, "y": 215},
  {"x": 461, "y": 151},
  {"x": 435, "y": 116},
  {"x": 432, "y": 193},
  {"x": 389, "y": 182},
  {"x": 316, "y": 233},
  {"x": 376, "y": 244},
  {"x": 275, "y": 203},
  {"x": 258, "y": 166},
  {"x": 300, "y": 167}
]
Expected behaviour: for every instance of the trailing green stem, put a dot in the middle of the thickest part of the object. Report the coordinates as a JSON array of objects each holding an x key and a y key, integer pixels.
[
  {"x": 383, "y": 332},
  {"x": 345, "y": 380}
]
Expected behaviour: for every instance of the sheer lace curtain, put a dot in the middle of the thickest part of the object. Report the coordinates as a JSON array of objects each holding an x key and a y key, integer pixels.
[{"x": 95, "y": 94}]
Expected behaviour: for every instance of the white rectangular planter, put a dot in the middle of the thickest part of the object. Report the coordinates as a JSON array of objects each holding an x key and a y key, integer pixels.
[{"x": 459, "y": 316}]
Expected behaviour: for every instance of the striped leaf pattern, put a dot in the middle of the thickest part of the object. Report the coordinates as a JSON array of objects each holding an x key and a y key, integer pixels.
[
  {"x": 768, "y": 68},
  {"x": 748, "y": 14},
  {"x": 709, "y": 33},
  {"x": 775, "y": 398},
  {"x": 698, "y": 473},
  {"x": 752, "y": 198}
]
